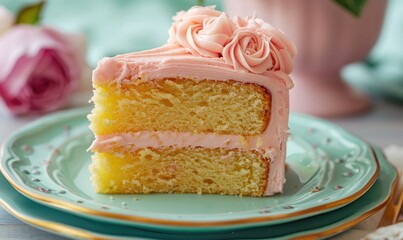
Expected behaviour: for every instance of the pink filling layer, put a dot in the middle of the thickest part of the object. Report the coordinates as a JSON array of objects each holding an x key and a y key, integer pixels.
[
  {"x": 171, "y": 61},
  {"x": 156, "y": 139}
]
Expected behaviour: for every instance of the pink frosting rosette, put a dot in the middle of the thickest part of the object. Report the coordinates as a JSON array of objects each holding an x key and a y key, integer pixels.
[
  {"x": 203, "y": 31},
  {"x": 248, "y": 44},
  {"x": 39, "y": 69},
  {"x": 248, "y": 50},
  {"x": 282, "y": 51}
]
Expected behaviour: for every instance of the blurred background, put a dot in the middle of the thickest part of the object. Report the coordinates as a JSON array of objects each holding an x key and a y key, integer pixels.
[
  {"x": 112, "y": 26},
  {"x": 330, "y": 42},
  {"x": 345, "y": 66}
]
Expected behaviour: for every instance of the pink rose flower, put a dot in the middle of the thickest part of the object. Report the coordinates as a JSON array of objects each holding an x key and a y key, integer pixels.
[
  {"x": 39, "y": 69},
  {"x": 203, "y": 31},
  {"x": 6, "y": 20},
  {"x": 248, "y": 50},
  {"x": 282, "y": 51}
]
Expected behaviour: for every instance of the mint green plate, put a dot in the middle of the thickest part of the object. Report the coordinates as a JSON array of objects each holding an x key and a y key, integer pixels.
[
  {"x": 319, "y": 226},
  {"x": 48, "y": 162}
]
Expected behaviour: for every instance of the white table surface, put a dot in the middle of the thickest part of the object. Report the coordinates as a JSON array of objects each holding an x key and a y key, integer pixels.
[{"x": 383, "y": 126}]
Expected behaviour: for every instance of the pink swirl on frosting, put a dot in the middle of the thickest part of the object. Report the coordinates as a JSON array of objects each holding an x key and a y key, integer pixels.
[
  {"x": 202, "y": 31},
  {"x": 248, "y": 50},
  {"x": 282, "y": 51},
  {"x": 247, "y": 44},
  {"x": 195, "y": 14}
]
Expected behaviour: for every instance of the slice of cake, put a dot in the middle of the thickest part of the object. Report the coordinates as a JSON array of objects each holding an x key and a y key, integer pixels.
[{"x": 205, "y": 113}]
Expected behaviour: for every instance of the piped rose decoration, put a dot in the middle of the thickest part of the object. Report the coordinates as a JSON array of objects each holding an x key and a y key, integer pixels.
[
  {"x": 203, "y": 31},
  {"x": 248, "y": 51},
  {"x": 39, "y": 69},
  {"x": 282, "y": 51},
  {"x": 248, "y": 44}
]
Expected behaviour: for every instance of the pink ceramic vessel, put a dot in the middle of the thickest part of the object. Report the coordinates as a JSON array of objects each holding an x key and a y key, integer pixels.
[{"x": 327, "y": 38}]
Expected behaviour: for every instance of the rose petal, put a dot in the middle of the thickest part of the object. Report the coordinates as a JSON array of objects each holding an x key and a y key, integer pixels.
[
  {"x": 15, "y": 82},
  {"x": 15, "y": 44},
  {"x": 37, "y": 75},
  {"x": 55, "y": 84}
]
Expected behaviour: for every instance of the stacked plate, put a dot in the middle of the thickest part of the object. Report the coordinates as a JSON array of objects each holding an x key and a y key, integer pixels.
[{"x": 334, "y": 181}]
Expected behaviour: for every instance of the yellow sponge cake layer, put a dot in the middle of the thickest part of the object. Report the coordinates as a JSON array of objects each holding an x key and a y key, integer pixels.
[
  {"x": 181, "y": 170},
  {"x": 181, "y": 105}
]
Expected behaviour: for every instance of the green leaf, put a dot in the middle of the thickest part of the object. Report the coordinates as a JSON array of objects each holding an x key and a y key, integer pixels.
[
  {"x": 200, "y": 2},
  {"x": 353, "y": 6},
  {"x": 30, "y": 14}
]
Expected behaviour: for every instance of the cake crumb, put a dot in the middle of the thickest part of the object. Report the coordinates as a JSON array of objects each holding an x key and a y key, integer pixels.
[
  {"x": 269, "y": 153},
  {"x": 27, "y": 149},
  {"x": 244, "y": 141},
  {"x": 172, "y": 168},
  {"x": 56, "y": 151},
  {"x": 227, "y": 156},
  {"x": 259, "y": 142},
  {"x": 315, "y": 189}
]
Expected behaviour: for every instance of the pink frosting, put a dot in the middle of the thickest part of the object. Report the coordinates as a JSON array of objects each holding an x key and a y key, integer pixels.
[
  {"x": 282, "y": 51},
  {"x": 249, "y": 44},
  {"x": 201, "y": 32},
  {"x": 249, "y": 51},
  {"x": 156, "y": 139},
  {"x": 195, "y": 14}
]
